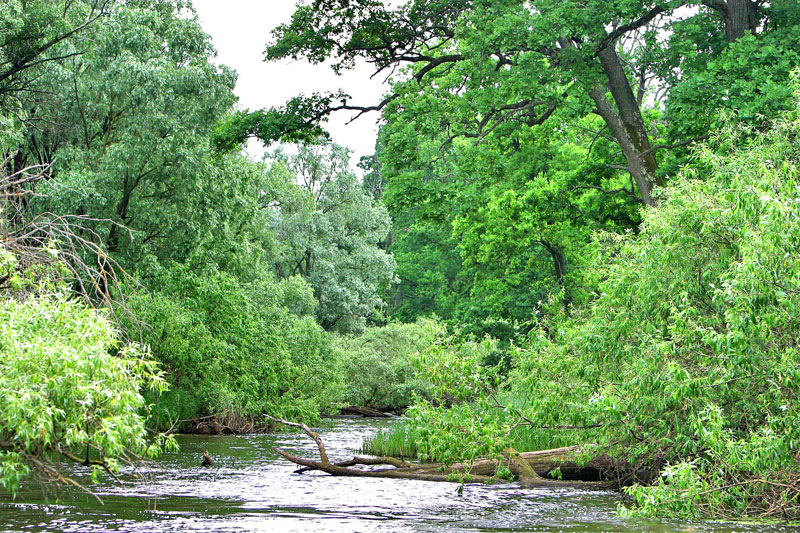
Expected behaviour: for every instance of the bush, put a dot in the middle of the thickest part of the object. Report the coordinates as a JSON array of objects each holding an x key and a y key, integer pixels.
[
  {"x": 69, "y": 390},
  {"x": 688, "y": 357},
  {"x": 378, "y": 365},
  {"x": 236, "y": 348}
]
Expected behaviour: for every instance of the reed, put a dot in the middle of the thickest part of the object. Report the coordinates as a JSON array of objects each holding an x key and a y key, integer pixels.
[{"x": 399, "y": 441}]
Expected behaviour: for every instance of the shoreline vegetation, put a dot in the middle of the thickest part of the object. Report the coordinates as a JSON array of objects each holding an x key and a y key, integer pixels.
[
  {"x": 529, "y": 469},
  {"x": 575, "y": 252}
]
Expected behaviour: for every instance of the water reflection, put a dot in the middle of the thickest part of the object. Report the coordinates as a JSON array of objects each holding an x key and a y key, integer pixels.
[{"x": 252, "y": 489}]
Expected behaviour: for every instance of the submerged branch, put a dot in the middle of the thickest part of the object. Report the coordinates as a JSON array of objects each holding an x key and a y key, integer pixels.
[{"x": 531, "y": 469}]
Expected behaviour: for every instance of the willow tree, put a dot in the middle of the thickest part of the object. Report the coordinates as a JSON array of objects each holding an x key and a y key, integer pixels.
[
  {"x": 127, "y": 124},
  {"x": 330, "y": 229}
]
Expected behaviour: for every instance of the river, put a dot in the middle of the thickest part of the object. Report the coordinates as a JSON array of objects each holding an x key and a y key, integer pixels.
[{"x": 251, "y": 488}]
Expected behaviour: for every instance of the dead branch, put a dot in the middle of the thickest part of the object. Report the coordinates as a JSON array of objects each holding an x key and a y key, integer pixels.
[
  {"x": 323, "y": 455},
  {"x": 531, "y": 469}
]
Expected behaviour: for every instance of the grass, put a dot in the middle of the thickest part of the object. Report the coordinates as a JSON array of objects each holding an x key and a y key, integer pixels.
[
  {"x": 401, "y": 441},
  {"x": 528, "y": 439}
]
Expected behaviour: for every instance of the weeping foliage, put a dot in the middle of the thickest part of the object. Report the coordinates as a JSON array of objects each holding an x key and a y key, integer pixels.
[
  {"x": 230, "y": 347},
  {"x": 688, "y": 357},
  {"x": 379, "y": 364},
  {"x": 71, "y": 391}
]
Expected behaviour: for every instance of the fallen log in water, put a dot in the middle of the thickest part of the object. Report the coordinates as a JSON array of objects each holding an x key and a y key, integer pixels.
[
  {"x": 366, "y": 412},
  {"x": 528, "y": 468}
]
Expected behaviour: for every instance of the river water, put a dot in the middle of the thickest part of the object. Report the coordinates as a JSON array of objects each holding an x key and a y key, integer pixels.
[{"x": 251, "y": 488}]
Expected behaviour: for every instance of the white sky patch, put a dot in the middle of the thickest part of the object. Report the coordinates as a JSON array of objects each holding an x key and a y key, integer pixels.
[{"x": 240, "y": 30}]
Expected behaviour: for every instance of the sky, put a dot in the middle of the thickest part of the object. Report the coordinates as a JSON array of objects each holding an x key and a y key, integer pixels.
[{"x": 240, "y": 30}]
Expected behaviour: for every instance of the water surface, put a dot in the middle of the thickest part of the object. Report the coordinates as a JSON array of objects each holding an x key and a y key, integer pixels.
[{"x": 252, "y": 489}]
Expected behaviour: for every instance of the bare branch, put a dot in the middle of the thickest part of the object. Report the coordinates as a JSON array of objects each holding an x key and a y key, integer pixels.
[
  {"x": 323, "y": 455},
  {"x": 625, "y": 28},
  {"x": 676, "y": 145}
]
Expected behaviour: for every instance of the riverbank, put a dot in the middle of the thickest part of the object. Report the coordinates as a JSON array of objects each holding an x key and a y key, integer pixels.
[{"x": 252, "y": 489}]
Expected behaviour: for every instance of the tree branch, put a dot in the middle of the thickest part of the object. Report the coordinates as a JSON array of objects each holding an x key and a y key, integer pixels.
[
  {"x": 323, "y": 455},
  {"x": 676, "y": 145},
  {"x": 625, "y": 28}
]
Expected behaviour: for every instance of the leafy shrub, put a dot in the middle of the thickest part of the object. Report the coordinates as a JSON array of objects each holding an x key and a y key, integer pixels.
[
  {"x": 689, "y": 357},
  {"x": 230, "y": 346},
  {"x": 69, "y": 389},
  {"x": 378, "y": 364}
]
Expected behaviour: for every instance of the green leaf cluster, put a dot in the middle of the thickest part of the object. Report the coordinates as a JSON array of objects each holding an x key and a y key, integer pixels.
[
  {"x": 378, "y": 364},
  {"x": 233, "y": 347},
  {"x": 70, "y": 389},
  {"x": 688, "y": 357}
]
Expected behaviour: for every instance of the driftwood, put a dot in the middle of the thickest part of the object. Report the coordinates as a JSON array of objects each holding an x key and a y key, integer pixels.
[
  {"x": 206, "y": 461},
  {"x": 530, "y": 469},
  {"x": 366, "y": 412}
]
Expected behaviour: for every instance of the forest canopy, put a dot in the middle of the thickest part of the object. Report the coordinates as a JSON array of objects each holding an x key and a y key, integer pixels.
[{"x": 579, "y": 227}]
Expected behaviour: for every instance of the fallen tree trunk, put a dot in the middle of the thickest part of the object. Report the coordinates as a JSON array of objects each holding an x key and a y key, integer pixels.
[
  {"x": 366, "y": 412},
  {"x": 528, "y": 468}
]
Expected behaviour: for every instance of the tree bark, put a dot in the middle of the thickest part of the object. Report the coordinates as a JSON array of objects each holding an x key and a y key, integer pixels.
[
  {"x": 626, "y": 123},
  {"x": 739, "y": 16},
  {"x": 531, "y": 469},
  {"x": 624, "y": 119},
  {"x": 559, "y": 266}
]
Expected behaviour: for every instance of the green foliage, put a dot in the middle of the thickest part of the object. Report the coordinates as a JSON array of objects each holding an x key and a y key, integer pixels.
[
  {"x": 750, "y": 77},
  {"x": 234, "y": 347},
  {"x": 471, "y": 413},
  {"x": 70, "y": 388},
  {"x": 134, "y": 115},
  {"x": 34, "y": 35},
  {"x": 490, "y": 231},
  {"x": 378, "y": 364},
  {"x": 688, "y": 356},
  {"x": 132, "y": 111},
  {"x": 331, "y": 230},
  {"x": 458, "y": 423},
  {"x": 495, "y": 165},
  {"x": 293, "y": 123}
]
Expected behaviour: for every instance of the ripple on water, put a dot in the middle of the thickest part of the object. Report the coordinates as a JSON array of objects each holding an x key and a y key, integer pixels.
[{"x": 252, "y": 489}]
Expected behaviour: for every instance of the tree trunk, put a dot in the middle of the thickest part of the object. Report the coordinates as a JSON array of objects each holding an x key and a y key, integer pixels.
[
  {"x": 740, "y": 19},
  {"x": 121, "y": 212},
  {"x": 367, "y": 412},
  {"x": 739, "y": 16},
  {"x": 624, "y": 120},
  {"x": 626, "y": 123},
  {"x": 528, "y": 468},
  {"x": 560, "y": 267}
]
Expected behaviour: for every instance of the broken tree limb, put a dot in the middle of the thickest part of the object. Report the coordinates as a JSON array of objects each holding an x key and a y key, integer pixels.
[
  {"x": 529, "y": 468},
  {"x": 391, "y": 461},
  {"x": 366, "y": 412},
  {"x": 322, "y": 454},
  {"x": 411, "y": 471}
]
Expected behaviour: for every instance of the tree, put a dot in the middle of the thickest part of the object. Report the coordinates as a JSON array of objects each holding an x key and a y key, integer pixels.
[
  {"x": 486, "y": 93},
  {"x": 331, "y": 232},
  {"x": 35, "y": 32},
  {"x": 35, "y": 36},
  {"x": 489, "y": 231},
  {"x": 128, "y": 125},
  {"x": 71, "y": 389},
  {"x": 378, "y": 366},
  {"x": 499, "y": 62},
  {"x": 233, "y": 348}
]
